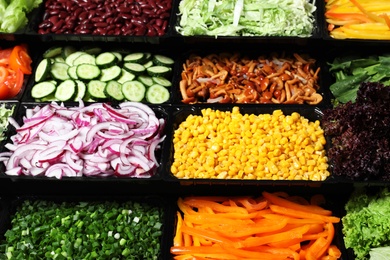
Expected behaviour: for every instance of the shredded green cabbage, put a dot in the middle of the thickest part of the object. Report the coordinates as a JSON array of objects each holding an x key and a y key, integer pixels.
[{"x": 246, "y": 18}]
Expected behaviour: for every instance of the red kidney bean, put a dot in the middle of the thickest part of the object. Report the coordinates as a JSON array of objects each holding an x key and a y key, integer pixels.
[{"x": 118, "y": 16}]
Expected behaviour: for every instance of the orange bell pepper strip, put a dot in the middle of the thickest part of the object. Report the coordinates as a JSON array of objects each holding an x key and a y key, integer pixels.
[
  {"x": 184, "y": 207},
  {"x": 368, "y": 14},
  {"x": 276, "y": 200},
  {"x": 303, "y": 214},
  {"x": 215, "y": 206},
  {"x": 292, "y": 220},
  {"x": 252, "y": 205},
  {"x": 206, "y": 234},
  {"x": 203, "y": 218},
  {"x": 334, "y": 251},
  {"x": 281, "y": 236},
  {"x": 178, "y": 238}
]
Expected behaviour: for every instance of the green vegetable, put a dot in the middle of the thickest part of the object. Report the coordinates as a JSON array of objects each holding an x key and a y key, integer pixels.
[
  {"x": 366, "y": 222},
  {"x": 246, "y": 18},
  {"x": 84, "y": 230},
  {"x": 5, "y": 113},
  {"x": 13, "y": 15},
  {"x": 380, "y": 253},
  {"x": 351, "y": 71}
]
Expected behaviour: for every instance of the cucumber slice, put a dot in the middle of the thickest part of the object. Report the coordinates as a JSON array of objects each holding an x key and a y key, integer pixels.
[
  {"x": 135, "y": 68},
  {"x": 162, "y": 81},
  {"x": 159, "y": 71},
  {"x": 88, "y": 71},
  {"x": 67, "y": 50},
  {"x": 93, "y": 50},
  {"x": 137, "y": 57},
  {"x": 72, "y": 72},
  {"x": 85, "y": 59},
  {"x": 157, "y": 94},
  {"x": 96, "y": 89},
  {"x": 126, "y": 76},
  {"x": 70, "y": 59},
  {"x": 43, "y": 69},
  {"x": 59, "y": 71},
  {"x": 66, "y": 90},
  {"x": 133, "y": 90},
  {"x": 162, "y": 60},
  {"x": 106, "y": 60},
  {"x": 148, "y": 64},
  {"x": 111, "y": 73},
  {"x": 81, "y": 90},
  {"x": 114, "y": 90},
  {"x": 43, "y": 89},
  {"x": 118, "y": 55},
  {"x": 52, "y": 52},
  {"x": 146, "y": 80}
]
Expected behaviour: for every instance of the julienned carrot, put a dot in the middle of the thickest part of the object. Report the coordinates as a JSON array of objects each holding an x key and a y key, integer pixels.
[
  {"x": 263, "y": 232},
  {"x": 276, "y": 200},
  {"x": 302, "y": 214}
]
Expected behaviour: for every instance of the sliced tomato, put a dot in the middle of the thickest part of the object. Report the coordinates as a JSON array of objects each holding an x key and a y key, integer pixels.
[
  {"x": 15, "y": 83},
  {"x": 4, "y": 89},
  {"x": 4, "y": 56},
  {"x": 20, "y": 59}
]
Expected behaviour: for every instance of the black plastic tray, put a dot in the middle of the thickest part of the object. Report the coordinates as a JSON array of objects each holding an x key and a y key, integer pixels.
[
  {"x": 332, "y": 202},
  {"x": 70, "y": 35},
  {"x": 10, "y": 206},
  {"x": 117, "y": 47},
  {"x": 316, "y": 33},
  {"x": 266, "y": 52},
  {"x": 160, "y": 112},
  {"x": 180, "y": 113}
]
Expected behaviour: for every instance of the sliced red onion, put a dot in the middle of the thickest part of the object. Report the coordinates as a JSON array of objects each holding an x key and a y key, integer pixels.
[{"x": 95, "y": 140}]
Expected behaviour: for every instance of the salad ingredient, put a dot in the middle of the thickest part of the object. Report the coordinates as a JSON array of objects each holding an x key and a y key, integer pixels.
[
  {"x": 147, "y": 18},
  {"x": 5, "y": 113},
  {"x": 101, "y": 75},
  {"x": 15, "y": 63},
  {"x": 365, "y": 224},
  {"x": 13, "y": 14},
  {"x": 350, "y": 71},
  {"x": 237, "y": 78},
  {"x": 229, "y": 145},
  {"x": 380, "y": 253},
  {"x": 357, "y": 19},
  {"x": 84, "y": 230},
  {"x": 246, "y": 18},
  {"x": 95, "y": 140},
  {"x": 359, "y": 135},
  {"x": 248, "y": 228}
]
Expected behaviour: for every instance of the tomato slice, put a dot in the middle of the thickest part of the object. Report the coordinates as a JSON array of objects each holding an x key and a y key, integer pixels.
[
  {"x": 19, "y": 59},
  {"x": 15, "y": 83},
  {"x": 4, "y": 56}
]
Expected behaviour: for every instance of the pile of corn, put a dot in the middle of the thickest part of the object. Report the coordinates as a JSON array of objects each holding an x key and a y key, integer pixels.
[{"x": 230, "y": 145}]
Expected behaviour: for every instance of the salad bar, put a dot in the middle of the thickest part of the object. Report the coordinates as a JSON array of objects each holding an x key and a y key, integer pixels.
[{"x": 193, "y": 129}]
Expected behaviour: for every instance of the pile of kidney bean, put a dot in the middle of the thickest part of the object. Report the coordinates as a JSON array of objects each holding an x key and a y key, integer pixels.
[{"x": 106, "y": 17}]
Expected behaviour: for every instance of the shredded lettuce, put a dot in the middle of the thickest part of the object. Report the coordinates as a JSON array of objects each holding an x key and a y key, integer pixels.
[
  {"x": 13, "y": 15},
  {"x": 246, "y": 18},
  {"x": 380, "y": 253}
]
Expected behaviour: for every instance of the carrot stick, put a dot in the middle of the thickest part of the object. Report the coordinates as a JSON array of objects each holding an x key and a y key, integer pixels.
[
  {"x": 303, "y": 214},
  {"x": 287, "y": 235},
  {"x": 289, "y": 204},
  {"x": 178, "y": 238}
]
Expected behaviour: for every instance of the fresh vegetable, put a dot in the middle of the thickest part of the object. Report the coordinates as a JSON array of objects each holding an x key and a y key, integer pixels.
[
  {"x": 96, "y": 140},
  {"x": 250, "y": 228},
  {"x": 359, "y": 135},
  {"x": 44, "y": 229},
  {"x": 15, "y": 63},
  {"x": 350, "y": 71},
  {"x": 96, "y": 68},
  {"x": 229, "y": 145},
  {"x": 380, "y": 253},
  {"x": 13, "y": 14},
  {"x": 246, "y": 18},
  {"x": 358, "y": 19},
  {"x": 5, "y": 113},
  {"x": 366, "y": 225}
]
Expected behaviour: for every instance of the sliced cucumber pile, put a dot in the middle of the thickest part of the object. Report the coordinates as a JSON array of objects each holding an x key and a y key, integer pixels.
[{"x": 91, "y": 74}]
